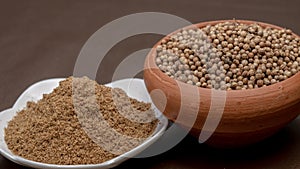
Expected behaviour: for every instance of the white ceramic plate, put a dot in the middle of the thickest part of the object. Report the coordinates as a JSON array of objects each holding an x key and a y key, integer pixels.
[{"x": 135, "y": 88}]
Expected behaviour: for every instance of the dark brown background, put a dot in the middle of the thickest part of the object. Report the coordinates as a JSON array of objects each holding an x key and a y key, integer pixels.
[{"x": 41, "y": 39}]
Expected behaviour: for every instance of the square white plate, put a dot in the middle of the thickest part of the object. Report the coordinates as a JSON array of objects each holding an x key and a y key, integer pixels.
[{"x": 134, "y": 88}]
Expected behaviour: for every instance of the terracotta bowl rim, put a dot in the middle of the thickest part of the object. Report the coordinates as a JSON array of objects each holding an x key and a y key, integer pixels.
[{"x": 279, "y": 85}]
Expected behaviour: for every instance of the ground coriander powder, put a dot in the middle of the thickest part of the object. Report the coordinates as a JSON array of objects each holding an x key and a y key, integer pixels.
[{"x": 51, "y": 131}]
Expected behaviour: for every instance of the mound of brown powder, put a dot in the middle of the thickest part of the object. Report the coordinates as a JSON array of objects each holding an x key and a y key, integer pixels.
[{"x": 66, "y": 128}]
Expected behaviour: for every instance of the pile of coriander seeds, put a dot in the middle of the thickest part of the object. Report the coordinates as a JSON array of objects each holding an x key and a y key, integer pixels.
[{"x": 230, "y": 56}]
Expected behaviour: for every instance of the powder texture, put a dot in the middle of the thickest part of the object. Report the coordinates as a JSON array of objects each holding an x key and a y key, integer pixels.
[{"x": 80, "y": 122}]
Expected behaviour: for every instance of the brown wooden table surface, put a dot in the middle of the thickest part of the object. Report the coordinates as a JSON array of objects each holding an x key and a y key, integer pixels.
[{"x": 41, "y": 39}]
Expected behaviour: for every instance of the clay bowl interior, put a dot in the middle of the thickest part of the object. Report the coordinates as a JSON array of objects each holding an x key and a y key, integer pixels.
[{"x": 249, "y": 115}]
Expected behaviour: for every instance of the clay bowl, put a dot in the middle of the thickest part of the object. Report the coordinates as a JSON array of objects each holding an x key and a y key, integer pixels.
[{"x": 248, "y": 116}]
